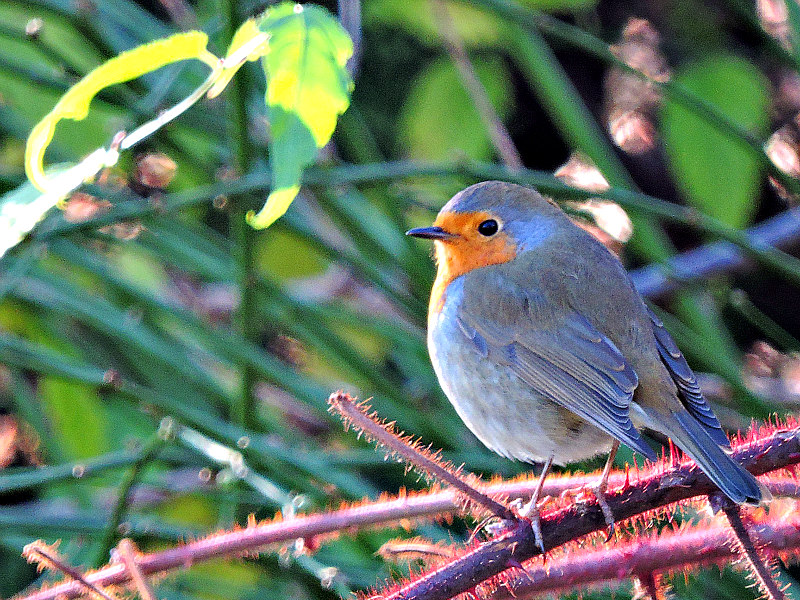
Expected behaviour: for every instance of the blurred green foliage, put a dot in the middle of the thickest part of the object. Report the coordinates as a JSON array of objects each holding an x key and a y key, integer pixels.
[
  {"x": 105, "y": 330},
  {"x": 437, "y": 97},
  {"x": 719, "y": 176}
]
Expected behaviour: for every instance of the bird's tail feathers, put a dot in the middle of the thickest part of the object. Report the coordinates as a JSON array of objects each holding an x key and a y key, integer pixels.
[{"x": 729, "y": 476}]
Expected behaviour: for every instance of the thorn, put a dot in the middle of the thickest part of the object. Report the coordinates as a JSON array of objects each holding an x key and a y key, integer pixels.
[
  {"x": 45, "y": 556},
  {"x": 513, "y": 563}
]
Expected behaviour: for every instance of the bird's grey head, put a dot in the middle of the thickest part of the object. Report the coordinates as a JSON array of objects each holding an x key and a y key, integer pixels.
[{"x": 522, "y": 212}]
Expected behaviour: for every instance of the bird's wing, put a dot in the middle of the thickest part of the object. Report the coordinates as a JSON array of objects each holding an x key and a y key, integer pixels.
[
  {"x": 688, "y": 388},
  {"x": 567, "y": 361}
]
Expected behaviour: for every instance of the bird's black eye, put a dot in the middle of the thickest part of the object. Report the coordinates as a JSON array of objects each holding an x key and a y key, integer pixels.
[{"x": 488, "y": 227}]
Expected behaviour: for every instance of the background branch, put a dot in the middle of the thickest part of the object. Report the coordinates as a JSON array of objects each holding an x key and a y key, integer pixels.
[{"x": 498, "y": 133}]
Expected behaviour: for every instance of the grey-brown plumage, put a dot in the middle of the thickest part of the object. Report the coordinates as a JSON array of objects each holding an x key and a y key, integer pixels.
[{"x": 545, "y": 348}]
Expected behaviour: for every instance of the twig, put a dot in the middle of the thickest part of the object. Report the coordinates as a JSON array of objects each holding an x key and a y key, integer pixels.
[
  {"x": 250, "y": 539},
  {"x": 655, "y": 281},
  {"x": 360, "y": 418},
  {"x": 36, "y": 552},
  {"x": 181, "y": 13},
  {"x": 498, "y": 133},
  {"x": 350, "y": 18},
  {"x": 745, "y": 546},
  {"x": 127, "y": 554},
  {"x": 649, "y": 581},
  {"x": 558, "y": 527}
]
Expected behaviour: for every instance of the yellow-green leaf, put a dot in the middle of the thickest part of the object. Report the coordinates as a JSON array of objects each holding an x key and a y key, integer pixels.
[
  {"x": 247, "y": 32},
  {"x": 128, "y": 65},
  {"x": 308, "y": 87}
]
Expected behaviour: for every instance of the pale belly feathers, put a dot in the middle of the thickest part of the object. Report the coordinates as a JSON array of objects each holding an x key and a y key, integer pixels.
[{"x": 503, "y": 411}]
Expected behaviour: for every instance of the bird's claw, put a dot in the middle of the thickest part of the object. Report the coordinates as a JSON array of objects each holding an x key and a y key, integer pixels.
[
  {"x": 496, "y": 528},
  {"x": 536, "y": 526}
]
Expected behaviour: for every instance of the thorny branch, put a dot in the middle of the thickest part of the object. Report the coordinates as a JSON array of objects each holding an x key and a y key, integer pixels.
[
  {"x": 360, "y": 417},
  {"x": 45, "y": 557},
  {"x": 629, "y": 495},
  {"x": 644, "y": 557},
  {"x": 658, "y": 489},
  {"x": 128, "y": 555},
  {"x": 748, "y": 548}
]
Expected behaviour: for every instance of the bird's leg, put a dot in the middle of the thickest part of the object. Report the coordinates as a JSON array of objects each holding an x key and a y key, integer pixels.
[
  {"x": 531, "y": 509},
  {"x": 600, "y": 490}
]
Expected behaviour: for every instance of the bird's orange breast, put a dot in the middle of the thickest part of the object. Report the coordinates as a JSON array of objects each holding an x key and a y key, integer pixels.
[{"x": 467, "y": 251}]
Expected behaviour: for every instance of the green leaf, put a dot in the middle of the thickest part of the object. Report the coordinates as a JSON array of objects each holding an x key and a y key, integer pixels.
[
  {"x": 474, "y": 26},
  {"x": 308, "y": 87},
  {"x": 439, "y": 119},
  {"x": 77, "y": 416},
  {"x": 561, "y": 6},
  {"x": 717, "y": 174}
]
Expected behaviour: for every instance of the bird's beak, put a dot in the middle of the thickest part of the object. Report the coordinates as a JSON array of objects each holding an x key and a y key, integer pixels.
[{"x": 431, "y": 233}]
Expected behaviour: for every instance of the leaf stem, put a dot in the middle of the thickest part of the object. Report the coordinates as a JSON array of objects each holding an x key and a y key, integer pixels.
[
  {"x": 242, "y": 234},
  {"x": 149, "y": 451}
]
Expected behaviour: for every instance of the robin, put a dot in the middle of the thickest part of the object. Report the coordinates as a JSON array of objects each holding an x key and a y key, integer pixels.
[{"x": 549, "y": 354}]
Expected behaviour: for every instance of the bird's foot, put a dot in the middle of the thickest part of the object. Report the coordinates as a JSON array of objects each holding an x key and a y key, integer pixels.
[
  {"x": 600, "y": 493},
  {"x": 495, "y": 527},
  {"x": 530, "y": 511}
]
